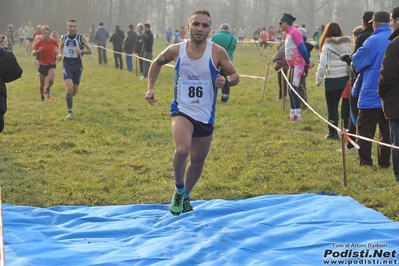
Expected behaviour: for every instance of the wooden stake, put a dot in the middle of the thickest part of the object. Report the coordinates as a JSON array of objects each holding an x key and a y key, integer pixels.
[
  {"x": 265, "y": 80},
  {"x": 283, "y": 82},
  {"x": 343, "y": 153}
]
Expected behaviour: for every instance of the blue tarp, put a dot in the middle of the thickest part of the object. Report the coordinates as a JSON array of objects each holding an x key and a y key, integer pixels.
[{"x": 281, "y": 230}]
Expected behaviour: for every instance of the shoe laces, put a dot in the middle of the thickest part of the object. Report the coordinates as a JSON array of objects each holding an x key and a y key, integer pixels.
[
  {"x": 186, "y": 203},
  {"x": 177, "y": 198}
]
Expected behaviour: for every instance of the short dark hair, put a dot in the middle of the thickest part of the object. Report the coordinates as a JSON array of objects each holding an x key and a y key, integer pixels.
[
  {"x": 71, "y": 21},
  {"x": 200, "y": 12},
  {"x": 147, "y": 25},
  {"x": 101, "y": 24},
  {"x": 395, "y": 12}
]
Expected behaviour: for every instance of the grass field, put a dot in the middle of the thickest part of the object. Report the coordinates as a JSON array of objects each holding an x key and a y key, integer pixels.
[{"x": 118, "y": 149}]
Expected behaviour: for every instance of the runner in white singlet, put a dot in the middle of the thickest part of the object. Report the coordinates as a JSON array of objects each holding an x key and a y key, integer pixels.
[{"x": 193, "y": 107}]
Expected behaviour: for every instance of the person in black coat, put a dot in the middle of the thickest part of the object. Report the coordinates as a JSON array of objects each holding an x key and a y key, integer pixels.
[
  {"x": 129, "y": 44},
  {"x": 388, "y": 88},
  {"x": 9, "y": 71},
  {"x": 117, "y": 42},
  {"x": 139, "y": 45}
]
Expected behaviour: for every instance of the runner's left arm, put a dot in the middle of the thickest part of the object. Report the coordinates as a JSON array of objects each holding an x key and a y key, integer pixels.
[{"x": 87, "y": 49}]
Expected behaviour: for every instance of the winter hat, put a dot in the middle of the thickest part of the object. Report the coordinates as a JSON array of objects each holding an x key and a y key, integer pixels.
[
  {"x": 288, "y": 17},
  {"x": 381, "y": 16}
]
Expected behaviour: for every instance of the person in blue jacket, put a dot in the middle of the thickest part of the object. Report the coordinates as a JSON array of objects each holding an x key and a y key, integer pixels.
[
  {"x": 101, "y": 36},
  {"x": 367, "y": 61}
]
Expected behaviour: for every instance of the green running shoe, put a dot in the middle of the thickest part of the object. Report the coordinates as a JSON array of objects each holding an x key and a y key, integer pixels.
[
  {"x": 187, "y": 206},
  {"x": 176, "y": 205}
]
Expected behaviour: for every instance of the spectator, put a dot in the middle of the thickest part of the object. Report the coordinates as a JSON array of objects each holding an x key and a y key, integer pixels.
[
  {"x": 297, "y": 58},
  {"x": 225, "y": 39},
  {"x": 139, "y": 45},
  {"x": 10, "y": 36},
  {"x": 302, "y": 90},
  {"x": 280, "y": 65},
  {"x": 148, "y": 42},
  {"x": 388, "y": 88},
  {"x": 117, "y": 43},
  {"x": 367, "y": 62},
  {"x": 9, "y": 71},
  {"x": 129, "y": 44},
  {"x": 316, "y": 38},
  {"x": 92, "y": 41},
  {"x": 241, "y": 34},
  {"x": 362, "y": 34},
  {"x": 101, "y": 36},
  {"x": 333, "y": 71}
]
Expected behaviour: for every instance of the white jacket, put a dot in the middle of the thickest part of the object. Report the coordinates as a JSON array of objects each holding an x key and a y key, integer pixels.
[{"x": 330, "y": 66}]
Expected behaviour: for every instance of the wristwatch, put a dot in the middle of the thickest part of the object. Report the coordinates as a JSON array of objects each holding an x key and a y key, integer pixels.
[{"x": 228, "y": 81}]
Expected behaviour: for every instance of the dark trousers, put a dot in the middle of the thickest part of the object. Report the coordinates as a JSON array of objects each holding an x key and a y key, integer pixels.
[
  {"x": 118, "y": 59},
  {"x": 141, "y": 61},
  {"x": 302, "y": 90},
  {"x": 282, "y": 83},
  {"x": 394, "y": 130},
  {"x": 353, "y": 118},
  {"x": 146, "y": 64},
  {"x": 1, "y": 122},
  {"x": 102, "y": 55},
  {"x": 295, "y": 102},
  {"x": 345, "y": 112},
  {"x": 332, "y": 100},
  {"x": 367, "y": 121}
]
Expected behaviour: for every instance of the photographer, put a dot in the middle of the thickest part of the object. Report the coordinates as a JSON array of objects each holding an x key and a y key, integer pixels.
[{"x": 9, "y": 71}]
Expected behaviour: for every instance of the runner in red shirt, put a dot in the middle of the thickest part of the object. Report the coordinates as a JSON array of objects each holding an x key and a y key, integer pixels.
[
  {"x": 271, "y": 35},
  {"x": 47, "y": 47},
  {"x": 182, "y": 33}
]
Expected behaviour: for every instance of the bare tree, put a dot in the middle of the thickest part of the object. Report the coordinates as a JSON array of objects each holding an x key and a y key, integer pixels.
[{"x": 175, "y": 13}]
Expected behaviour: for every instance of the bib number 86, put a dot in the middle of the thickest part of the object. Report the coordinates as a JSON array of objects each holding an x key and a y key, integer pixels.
[{"x": 195, "y": 92}]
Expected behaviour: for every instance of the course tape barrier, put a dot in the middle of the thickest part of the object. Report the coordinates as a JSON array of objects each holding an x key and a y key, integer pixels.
[
  {"x": 335, "y": 127},
  {"x": 170, "y": 65},
  {"x": 302, "y": 100}
]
